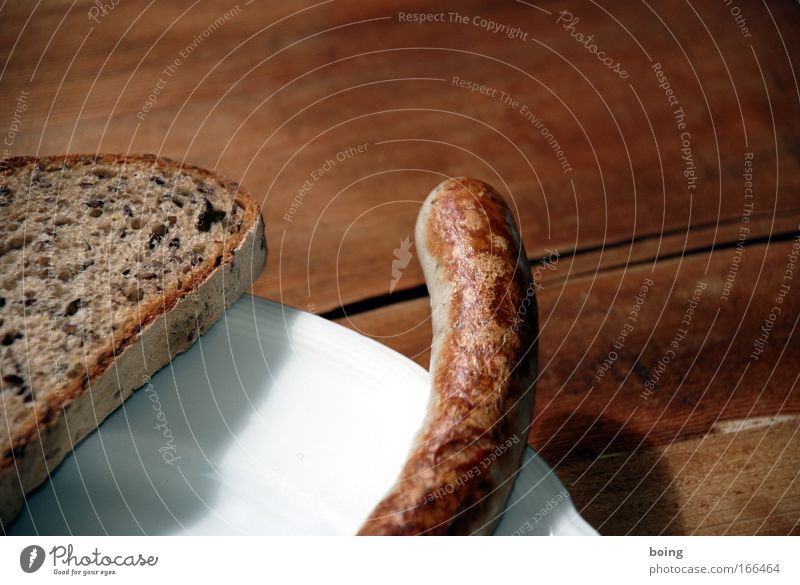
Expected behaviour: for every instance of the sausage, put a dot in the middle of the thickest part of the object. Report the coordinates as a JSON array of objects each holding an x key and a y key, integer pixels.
[{"x": 462, "y": 465}]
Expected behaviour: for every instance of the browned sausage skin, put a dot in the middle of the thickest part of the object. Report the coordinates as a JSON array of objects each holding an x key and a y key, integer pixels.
[{"x": 483, "y": 365}]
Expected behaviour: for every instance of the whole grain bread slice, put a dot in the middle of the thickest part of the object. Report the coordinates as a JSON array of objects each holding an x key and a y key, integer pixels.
[{"x": 110, "y": 265}]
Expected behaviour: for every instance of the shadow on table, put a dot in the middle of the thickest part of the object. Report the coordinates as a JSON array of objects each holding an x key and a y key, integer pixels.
[{"x": 618, "y": 480}]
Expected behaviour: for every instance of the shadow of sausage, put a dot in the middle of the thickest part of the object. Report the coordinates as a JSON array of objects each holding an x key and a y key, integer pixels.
[{"x": 619, "y": 482}]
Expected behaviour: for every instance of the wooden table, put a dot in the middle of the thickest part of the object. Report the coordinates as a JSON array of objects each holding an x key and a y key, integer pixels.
[{"x": 667, "y": 408}]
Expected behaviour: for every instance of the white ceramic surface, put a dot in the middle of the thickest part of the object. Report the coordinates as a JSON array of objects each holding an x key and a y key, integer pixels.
[{"x": 275, "y": 422}]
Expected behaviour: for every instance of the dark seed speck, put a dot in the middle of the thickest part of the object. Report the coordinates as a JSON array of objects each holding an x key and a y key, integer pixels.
[
  {"x": 208, "y": 217},
  {"x": 10, "y": 338},
  {"x": 73, "y": 307},
  {"x": 6, "y": 195}
]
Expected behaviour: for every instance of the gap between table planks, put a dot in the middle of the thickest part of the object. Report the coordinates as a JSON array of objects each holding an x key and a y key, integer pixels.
[
  {"x": 622, "y": 212},
  {"x": 714, "y": 449}
]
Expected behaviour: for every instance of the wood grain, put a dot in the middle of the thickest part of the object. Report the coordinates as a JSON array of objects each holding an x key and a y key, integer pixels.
[
  {"x": 603, "y": 433},
  {"x": 281, "y": 88},
  {"x": 729, "y": 481},
  {"x": 275, "y": 91}
]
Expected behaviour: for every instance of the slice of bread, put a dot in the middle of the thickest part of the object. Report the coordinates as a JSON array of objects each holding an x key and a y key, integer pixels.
[{"x": 109, "y": 267}]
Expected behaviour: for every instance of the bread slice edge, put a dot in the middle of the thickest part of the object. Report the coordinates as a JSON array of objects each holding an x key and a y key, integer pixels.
[{"x": 169, "y": 332}]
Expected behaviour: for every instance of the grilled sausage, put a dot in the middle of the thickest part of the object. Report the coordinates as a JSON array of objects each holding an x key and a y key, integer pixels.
[{"x": 483, "y": 365}]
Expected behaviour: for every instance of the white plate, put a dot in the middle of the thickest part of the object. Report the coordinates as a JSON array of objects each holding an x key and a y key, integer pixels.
[{"x": 275, "y": 422}]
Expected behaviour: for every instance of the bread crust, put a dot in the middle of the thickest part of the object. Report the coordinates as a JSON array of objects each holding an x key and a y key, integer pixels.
[
  {"x": 167, "y": 327},
  {"x": 483, "y": 367}
]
